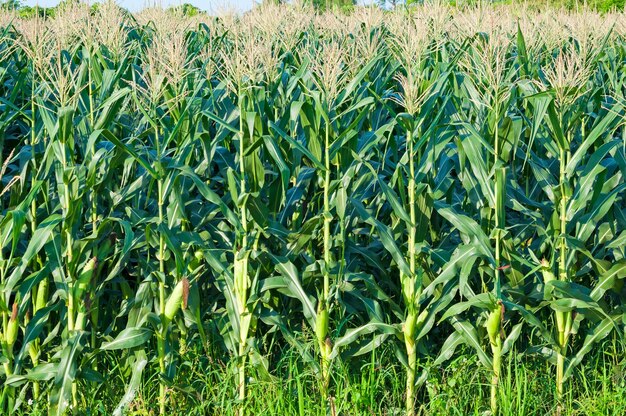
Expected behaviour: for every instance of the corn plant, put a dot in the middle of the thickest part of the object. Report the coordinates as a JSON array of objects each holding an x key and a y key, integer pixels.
[
  {"x": 488, "y": 88},
  {"x": 233, "y": 187},
  {"x": 572, "y": 198}
]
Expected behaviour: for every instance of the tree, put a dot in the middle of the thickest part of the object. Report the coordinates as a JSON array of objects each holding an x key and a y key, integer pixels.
[
  {"x": 334, "y": 4},
  {"x": 11, "y": 4},
  {"x": 187, "y": 9},
  {"x": 391, "y": 4}
]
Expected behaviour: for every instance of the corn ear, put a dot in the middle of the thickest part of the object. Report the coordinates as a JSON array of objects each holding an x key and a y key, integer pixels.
[
  {"x": 83, "y": 281},
  {"x": 42, "y": 295},
  {"x": 321, "y": 325},
  {"x": 177, "y": 299},
  {"x": 410, "y": 325},
  {"x": 560, "y": 321},
  {"x": 241, "y": 278},
  {"x": 493, "y": 324},
  {"x": 12, "y": 327},
  {"x": 546, "y": 272}
]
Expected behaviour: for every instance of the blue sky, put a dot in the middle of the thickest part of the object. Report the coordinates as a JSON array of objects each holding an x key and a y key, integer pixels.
[{"x": 135, "y": 5}]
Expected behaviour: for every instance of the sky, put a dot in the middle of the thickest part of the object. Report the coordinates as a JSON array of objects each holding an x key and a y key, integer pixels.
[{"x": 135, "y": 5}]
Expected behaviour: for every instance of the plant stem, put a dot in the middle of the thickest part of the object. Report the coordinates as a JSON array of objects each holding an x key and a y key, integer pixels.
[
  {"x": 325, "y": 349},
  {"x": 327, "y": 217},
  {"x": 410, "y": 376},
  {"x": 499, "y": 195},
  {"x": 94, "y": 195},
  {"x": 561, "y": 317},
  {"x": 241, "y": 276},
  {"x": 163, "y": 333},
  {"x": 412, "y": 197},
  {"x": 408, "y": 285},
  {"x": 496, "y": 350}
]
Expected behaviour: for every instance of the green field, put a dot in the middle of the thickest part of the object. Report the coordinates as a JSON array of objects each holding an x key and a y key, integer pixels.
[{"x": 291, "y": 212}]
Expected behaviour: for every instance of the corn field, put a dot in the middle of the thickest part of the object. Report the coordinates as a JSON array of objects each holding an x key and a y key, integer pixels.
[{"x": 425, "y": 180}]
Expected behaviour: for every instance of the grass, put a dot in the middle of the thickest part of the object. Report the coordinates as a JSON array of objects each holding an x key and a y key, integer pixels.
[{"x": 205, "y": 386}]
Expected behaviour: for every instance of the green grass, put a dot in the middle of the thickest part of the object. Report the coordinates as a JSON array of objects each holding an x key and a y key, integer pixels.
[{"x": 205, "y": 385}]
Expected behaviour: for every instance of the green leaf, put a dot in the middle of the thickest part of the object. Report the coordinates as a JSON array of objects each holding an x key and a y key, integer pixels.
[
  {"x": 128, "y": 149},
  {"x": 61, "y": 395},
  {"x": 449, "y": 346},
  {"x": 41, "y": 236},
  {"x": 607, "y": 279},
  {"x": 128, "y": 338},
  {"x": 353, "y": 334},
  {"x": 298, "y": 146},
  {"x": 467, "y": 226},
  {"x": 602, "y": 127},
  {"x": 484, "y": 301},
  {"x": 292, "y": 282},
  {"x": 133, "y": 385},
  {"x": 601, "y": 331},
  {"x": 385, "y": 235},
  {"x": 470, "y": 336},
  {"x": 514, "y": 334}
]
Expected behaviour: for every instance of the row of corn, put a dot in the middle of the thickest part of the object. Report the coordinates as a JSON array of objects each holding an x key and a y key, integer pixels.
[{"x": 425, "y": 178}]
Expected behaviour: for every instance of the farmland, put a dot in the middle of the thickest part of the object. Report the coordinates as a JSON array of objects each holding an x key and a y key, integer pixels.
[{"x": 290, "y": 212}]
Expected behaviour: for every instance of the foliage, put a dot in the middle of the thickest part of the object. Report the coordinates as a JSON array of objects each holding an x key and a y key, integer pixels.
[{"x": 423, "y": 185}]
